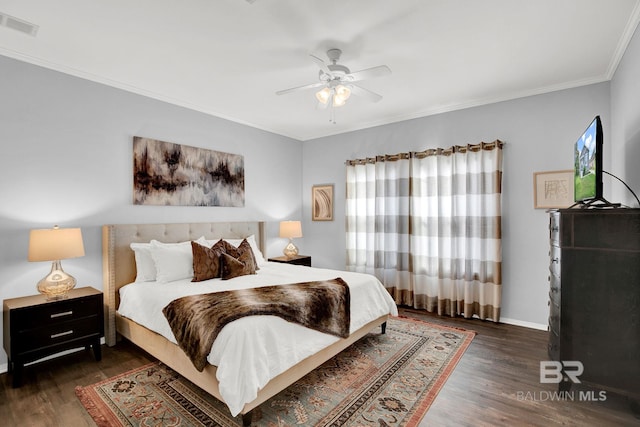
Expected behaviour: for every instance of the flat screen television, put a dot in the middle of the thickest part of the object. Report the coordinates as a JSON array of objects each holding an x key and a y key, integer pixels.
[{"x": 587, "y": 157}]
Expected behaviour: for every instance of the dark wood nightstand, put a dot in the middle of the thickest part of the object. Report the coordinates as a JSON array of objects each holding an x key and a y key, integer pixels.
[
  {"x": 35, "y": 328},
  {"x": 297, "y": 260}
]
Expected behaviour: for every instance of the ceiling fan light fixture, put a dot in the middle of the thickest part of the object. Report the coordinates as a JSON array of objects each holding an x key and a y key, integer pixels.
[
  {"x": 323, "y": 95},
  {"x": 342, "y": 94}
]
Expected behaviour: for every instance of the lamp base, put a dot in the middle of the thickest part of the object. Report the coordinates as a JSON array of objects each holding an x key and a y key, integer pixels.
[
  {"x": 57, "y": 283},
  {"x": 290, "y": 250}
]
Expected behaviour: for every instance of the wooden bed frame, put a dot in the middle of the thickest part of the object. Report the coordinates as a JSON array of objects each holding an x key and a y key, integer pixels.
[{"x": 118, "y": 265}]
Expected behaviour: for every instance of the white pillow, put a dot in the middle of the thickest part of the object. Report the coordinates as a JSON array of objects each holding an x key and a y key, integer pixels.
[
  {"x": 145, "y": 267},
  {"x": 256, "y": 250},
  {"x": 173, "y": 261}
]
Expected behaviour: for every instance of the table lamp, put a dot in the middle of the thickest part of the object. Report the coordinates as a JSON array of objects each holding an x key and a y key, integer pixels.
[
  {"x": 290, "y": 230},
  {"x": 55, "y": 244}
]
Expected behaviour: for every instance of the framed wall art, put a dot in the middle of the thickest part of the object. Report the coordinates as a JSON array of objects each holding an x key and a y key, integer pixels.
[
  {"x": 553, "y": 189},
  {"x": 322, "y": 202},
  {"x": 171, "y": 174}
]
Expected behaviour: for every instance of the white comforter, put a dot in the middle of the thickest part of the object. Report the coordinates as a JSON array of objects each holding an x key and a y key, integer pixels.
[{"x": 251, "y": 351}]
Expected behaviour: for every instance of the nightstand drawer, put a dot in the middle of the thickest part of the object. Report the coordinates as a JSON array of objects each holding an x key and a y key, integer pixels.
[
  {"x": 62, "y": 311},
  {"x": 296, "y": 260},
  {"x": 60, "y": 332}
]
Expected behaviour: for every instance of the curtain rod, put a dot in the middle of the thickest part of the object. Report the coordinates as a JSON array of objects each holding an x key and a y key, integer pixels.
[{"x": 428, "y": 152}]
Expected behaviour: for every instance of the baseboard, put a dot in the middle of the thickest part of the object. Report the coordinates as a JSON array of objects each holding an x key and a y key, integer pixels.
[{"x": 531, "y": 325}]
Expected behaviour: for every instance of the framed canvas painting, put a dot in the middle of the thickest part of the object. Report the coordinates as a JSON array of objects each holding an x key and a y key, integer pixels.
[
  {"x": 169, "y": 174},
  {"x": 322, "y": 202}
]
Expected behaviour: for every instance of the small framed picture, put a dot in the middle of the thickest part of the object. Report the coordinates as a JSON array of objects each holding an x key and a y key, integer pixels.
[
  {"x": 322, "y": 202},
  {"x": 553, "y": 189}
]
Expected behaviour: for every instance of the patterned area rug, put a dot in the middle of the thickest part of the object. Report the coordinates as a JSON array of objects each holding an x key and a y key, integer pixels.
[{"x": 381, "y": 380}]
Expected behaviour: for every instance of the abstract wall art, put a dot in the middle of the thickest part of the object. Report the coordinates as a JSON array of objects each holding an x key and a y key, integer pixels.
[
  {"x": 171, "y": 174},
  {"x": 553, "y": 189},
  {"x": 322, "y": 203}
]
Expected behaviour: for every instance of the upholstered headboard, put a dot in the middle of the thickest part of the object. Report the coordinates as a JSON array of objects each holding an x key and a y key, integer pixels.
[{"x": 118, "y": 260}]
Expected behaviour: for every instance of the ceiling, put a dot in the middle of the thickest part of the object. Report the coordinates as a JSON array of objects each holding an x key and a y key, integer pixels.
[{"x": 228, "y": 58}]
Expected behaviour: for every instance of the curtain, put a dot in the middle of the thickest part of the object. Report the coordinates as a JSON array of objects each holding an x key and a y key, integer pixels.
[{"x": 428, "y": 226}]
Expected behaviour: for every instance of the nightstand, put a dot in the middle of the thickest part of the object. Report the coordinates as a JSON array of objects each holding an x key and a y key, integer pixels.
[
  {"x": 297, "y": 260},
  {"x": 35, "y": 328}
]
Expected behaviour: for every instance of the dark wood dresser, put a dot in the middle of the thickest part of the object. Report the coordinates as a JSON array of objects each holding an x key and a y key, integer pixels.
[
  {"x": 594, "y": 296},
  {"x": 35, "y": 328}
]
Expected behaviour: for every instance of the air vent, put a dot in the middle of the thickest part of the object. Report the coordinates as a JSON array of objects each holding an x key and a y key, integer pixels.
[{"x": 18, "y": 24}]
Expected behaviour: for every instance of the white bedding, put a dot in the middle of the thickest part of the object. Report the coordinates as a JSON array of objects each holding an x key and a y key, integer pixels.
[{"x": 251, "y": 351}]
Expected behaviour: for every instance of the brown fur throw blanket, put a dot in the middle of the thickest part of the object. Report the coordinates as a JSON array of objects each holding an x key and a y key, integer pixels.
[{"x": 197, "y": 320}]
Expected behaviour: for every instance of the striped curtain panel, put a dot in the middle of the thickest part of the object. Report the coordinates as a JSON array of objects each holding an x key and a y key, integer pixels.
[{"x": 428, "y": 225}]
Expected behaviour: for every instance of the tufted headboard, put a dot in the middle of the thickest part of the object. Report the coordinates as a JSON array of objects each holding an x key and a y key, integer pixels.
[{"x": 118, "y": 260}]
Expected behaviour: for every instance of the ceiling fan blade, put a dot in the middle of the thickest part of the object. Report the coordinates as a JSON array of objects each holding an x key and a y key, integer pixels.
[
  {"x": 295, "y": 89},
  {"x": 365, "y": 93},
  {"x": 368, "y": 73},
  {"x": 321, "y": 64}
]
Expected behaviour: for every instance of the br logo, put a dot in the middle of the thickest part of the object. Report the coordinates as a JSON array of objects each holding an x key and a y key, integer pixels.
[{"x": 551, "y": 371}]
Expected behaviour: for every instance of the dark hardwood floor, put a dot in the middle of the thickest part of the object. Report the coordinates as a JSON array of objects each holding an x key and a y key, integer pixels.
[{"x": 496, "y": 383}]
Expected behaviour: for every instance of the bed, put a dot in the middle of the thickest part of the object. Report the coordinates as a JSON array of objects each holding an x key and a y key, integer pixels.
[{"x": 217, "y": 377}]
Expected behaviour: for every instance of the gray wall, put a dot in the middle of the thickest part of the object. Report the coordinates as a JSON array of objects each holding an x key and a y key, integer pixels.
[
  {"x": 539, "y": 132},
  {"x": 67, "y": 160},
  {"x": 625, "y": 135}
]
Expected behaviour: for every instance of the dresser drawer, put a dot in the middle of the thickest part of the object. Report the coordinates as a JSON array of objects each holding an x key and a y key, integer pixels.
[
  {"x": 554, "y": 229},
  {"x": 554, "y": 288},
  {"x": 554, "y": 260},
  {"x": 62, "y": 311},
  {"x": 554, "y": 316},
  {"x": 553, "y": 347}
]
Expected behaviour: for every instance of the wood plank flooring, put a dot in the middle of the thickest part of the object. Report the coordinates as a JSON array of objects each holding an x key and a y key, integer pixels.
[{"x": 496, "y": 383}]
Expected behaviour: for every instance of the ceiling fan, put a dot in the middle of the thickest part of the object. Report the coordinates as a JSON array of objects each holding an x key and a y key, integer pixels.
[{"x": 337, "y": 82}]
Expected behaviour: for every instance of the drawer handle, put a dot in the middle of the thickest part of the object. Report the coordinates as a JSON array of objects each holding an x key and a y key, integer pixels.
[
  {"x": 66, "y": 313},
  {"x": 556, "y": 260},
  {"x": 62, "y": 334},
  {"x": 555, "y": 228}
]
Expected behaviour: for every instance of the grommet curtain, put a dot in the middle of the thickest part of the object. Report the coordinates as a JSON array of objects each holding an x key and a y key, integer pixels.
[{"x": 428, "y": 226}]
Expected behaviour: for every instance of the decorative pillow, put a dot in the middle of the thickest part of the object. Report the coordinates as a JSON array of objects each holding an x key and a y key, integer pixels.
[
  {"x": 257, "y": 254},
  {"x": 145, "y": 267},
  {"x": 173, "y": 261},
  {"x": 233, "y": 267},
  {"x": 242, "y": 248},
  {"x": 206, "y": 261}
]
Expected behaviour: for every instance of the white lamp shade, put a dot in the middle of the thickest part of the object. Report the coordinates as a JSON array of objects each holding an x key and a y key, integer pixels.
[
  {"x": 290, "y": 229},
  {"x": 55, "y": 244}
]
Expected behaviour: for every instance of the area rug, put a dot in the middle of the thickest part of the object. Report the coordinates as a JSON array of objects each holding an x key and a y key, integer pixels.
[{"x": 386, "y": 379}]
